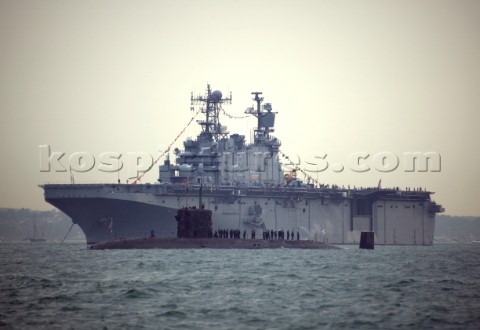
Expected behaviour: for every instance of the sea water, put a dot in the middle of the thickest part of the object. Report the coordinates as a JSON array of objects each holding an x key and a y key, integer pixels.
[{"x": 53, "y": 286}]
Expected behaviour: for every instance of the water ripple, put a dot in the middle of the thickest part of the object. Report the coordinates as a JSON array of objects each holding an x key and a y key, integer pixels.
[{"x": 51, "y": 286}]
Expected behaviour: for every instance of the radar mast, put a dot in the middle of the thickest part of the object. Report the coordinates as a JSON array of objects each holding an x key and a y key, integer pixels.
[
  {"x": 211, "y": 105},
  {"x": 265, "y": 118}
]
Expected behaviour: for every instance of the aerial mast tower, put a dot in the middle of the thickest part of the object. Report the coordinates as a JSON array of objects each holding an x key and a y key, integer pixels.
[
  {"x": 265, "y": 118},
  {"x": 211, "y": 105}
]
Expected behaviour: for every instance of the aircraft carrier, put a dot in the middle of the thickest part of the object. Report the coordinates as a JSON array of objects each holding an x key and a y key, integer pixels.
[{"x": 246, "y": 187}]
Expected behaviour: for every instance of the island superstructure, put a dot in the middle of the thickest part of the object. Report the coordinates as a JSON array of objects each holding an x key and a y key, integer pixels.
[{"x": 246, "y": 187}]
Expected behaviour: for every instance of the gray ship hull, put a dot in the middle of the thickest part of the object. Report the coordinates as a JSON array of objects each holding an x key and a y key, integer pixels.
[
  {"x": 103, "y": 219},
  {"x": 106, "y": 212}
]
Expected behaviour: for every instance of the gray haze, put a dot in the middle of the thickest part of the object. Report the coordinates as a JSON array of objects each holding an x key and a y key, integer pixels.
[{"x": 345, "y": 76}]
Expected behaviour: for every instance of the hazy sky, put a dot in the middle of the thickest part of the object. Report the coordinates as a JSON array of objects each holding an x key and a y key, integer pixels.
[{"x": 345, "y": 76}]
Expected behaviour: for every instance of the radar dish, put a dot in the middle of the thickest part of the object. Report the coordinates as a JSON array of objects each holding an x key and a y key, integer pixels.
[{"x": 216, "y": 96}]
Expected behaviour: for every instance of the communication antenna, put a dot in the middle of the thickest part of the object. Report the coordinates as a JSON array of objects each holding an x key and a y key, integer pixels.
[
  {"x": 265, "y": 118},
  {"x": 211, "y": 106},
  {"x": 72, "y": 181}
]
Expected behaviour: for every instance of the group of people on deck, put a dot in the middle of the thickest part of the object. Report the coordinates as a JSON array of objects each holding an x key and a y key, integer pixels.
[
  {"x": 267, "y": 234},
  {"x": 228, "y": 233},
  {"x": 280, "y": 234}
]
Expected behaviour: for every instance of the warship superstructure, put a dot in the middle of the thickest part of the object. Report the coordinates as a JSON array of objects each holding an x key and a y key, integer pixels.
[{"x": 246, "y": 187}]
